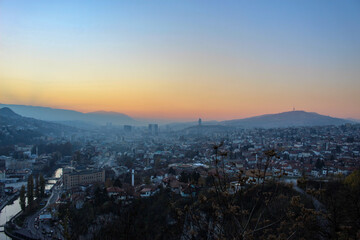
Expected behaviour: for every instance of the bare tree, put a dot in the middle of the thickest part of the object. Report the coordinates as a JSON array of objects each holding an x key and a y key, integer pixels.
[{"x": 252, "y": 207}]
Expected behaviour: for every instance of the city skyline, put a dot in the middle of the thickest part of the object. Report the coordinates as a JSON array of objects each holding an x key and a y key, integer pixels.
[{"x": 182, "y": 60}]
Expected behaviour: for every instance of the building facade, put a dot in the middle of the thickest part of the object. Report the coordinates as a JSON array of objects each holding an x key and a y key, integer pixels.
[{"x": 74, "y": 179}]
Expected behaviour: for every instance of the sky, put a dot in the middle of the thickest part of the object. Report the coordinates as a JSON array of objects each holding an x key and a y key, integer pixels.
[{"x": 182, "y": 59}]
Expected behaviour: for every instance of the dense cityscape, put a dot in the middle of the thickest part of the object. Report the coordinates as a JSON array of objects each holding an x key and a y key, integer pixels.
[{"x": 124, "y": 166}]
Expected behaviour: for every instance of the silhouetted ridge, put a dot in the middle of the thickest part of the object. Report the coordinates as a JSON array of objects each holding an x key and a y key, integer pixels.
[
  {"x": 68, "y": 116},
  {"x": 7, "y": 112},
  {"x": 286, "y": 119}
]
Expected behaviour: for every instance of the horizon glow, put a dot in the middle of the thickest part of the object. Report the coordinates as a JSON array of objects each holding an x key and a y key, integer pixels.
[{"x": 182, "y": 60}]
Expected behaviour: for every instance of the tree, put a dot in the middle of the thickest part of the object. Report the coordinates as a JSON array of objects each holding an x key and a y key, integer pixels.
[
  {"x": 172, "y": 171},
  {"x": 30, "y": 190},
  {"x": 319, "y": 164},
  {"x": 195, "y": 177},
  {"x": 157, "y": 163},
  {"x": 209, "y": 180},
  {"x": 108, "y": 183},
  {"x": 37, "y": 188},
  {"x": 128, "y": 162},
  {"x": 100, "y": 196},
  {"x": 22, "y": 197},
  {"x": 353, "y": 180},
  {"x": 65, "y": 225},
  {"x": 42, "y": 186},
  {"x": 117, "y": 183},
  {"x": 184, "y": 177},
  {"x": 147, "y": 180},
  {"x": 259, "y": 208}
]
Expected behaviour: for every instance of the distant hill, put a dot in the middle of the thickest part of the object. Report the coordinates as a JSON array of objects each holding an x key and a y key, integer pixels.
[
  {"x": 15, "y": 129},
  {"x": 70, "y": 117},
  {"x": 8, "y": 113},
  {"x": 10, "y": 118},
  {"x": 286, "y": 119}
]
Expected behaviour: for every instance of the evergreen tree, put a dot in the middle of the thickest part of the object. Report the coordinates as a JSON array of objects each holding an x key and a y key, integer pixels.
[
  {"x": 117, "y": 183},
  {"x": 184, "y": 177},
  {"x": 22, "y": 197},
  {"x": 30, "y": 190},
  {"x": 37, "y": 188},
  {"x": 172, "y": 171},
  {"x": 100, "y": 196},
  {"x": 319, "y": 164},
  {"x": 42, "y": 186},
  {"x": 195, "y": 177}
]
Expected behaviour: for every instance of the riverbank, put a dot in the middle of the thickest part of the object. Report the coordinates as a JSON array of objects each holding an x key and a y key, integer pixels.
[
  {"x": 12, "y": 211},
  {"x": 9, "y": 199}
]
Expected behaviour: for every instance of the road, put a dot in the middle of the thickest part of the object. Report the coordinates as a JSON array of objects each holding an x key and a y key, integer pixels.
[{"x": 30, "y": 221}]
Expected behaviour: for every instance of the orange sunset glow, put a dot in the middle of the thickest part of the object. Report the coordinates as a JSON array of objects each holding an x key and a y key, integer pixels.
[{"x": 152, "y": 62}]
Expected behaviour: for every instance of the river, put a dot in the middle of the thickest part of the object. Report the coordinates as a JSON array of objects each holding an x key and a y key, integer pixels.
[{"x": 13, "y": 208}]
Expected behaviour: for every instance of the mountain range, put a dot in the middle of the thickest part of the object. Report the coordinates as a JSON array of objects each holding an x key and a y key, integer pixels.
[
  {"x": 86, "y": 120},
  {"x": 10, "y": 118},
  {"x": 16, "y": 129},
  {"x": 70, "y": 117}
]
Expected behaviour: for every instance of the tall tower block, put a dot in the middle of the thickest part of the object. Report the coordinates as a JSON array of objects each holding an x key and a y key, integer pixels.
[{"x": 132, "y": 178}]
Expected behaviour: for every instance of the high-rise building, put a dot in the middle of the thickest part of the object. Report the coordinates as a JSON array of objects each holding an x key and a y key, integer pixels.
[
  {"x": 132, "y": 177},
  {"x": 199, "y": 121},
  {"x": 127, "y": 128},
  {"x": 153, "y": 129}
]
